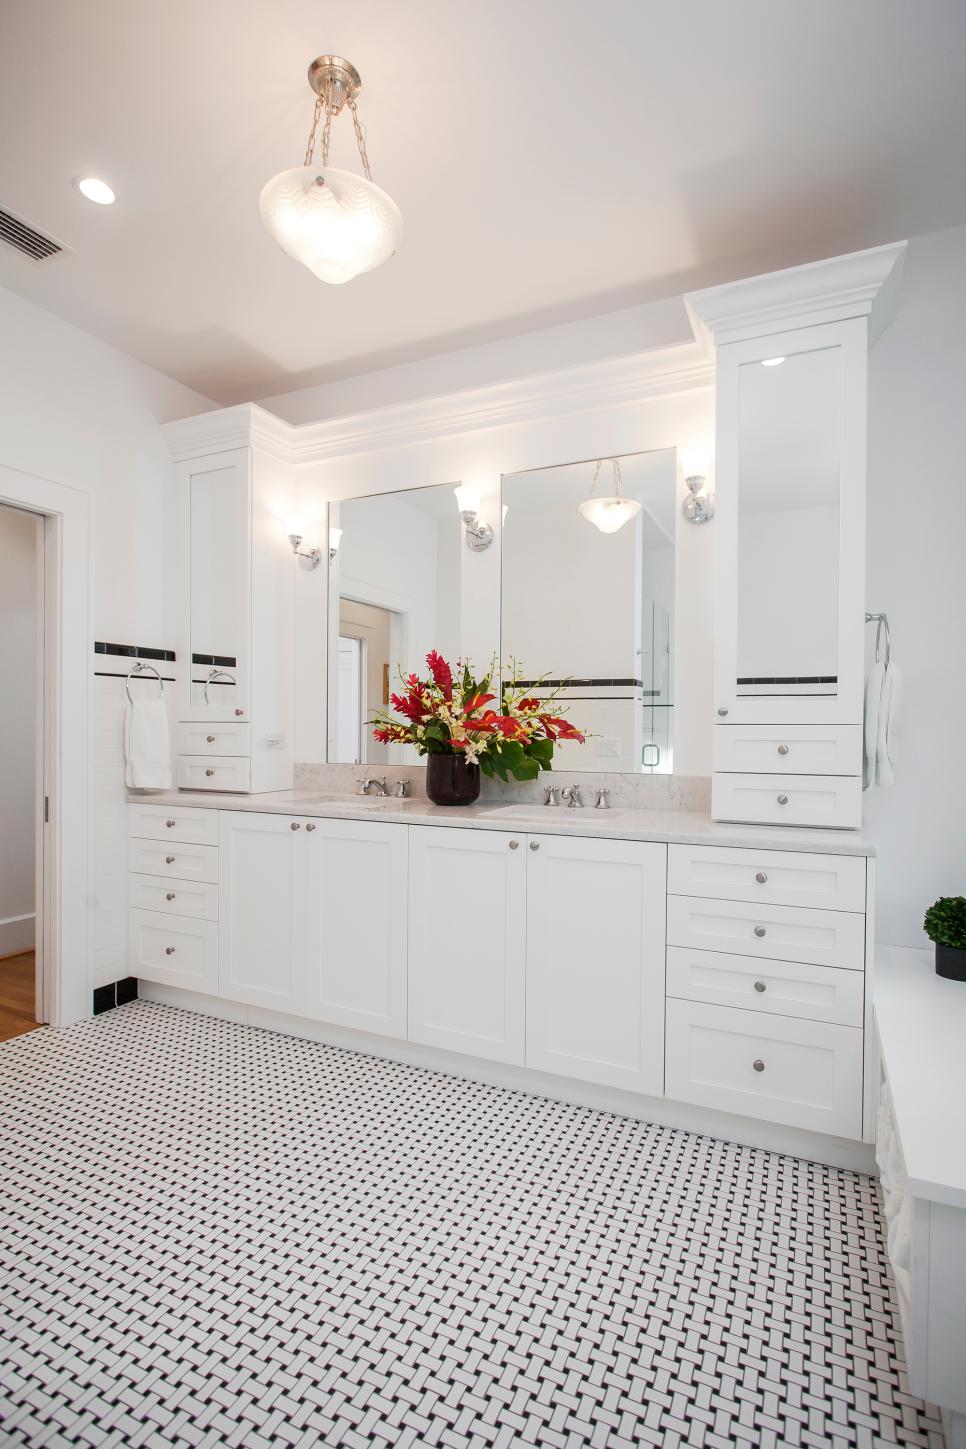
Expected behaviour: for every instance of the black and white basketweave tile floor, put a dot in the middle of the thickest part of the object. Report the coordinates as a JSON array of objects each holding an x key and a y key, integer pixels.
[{"x": 216, "y": 1235}]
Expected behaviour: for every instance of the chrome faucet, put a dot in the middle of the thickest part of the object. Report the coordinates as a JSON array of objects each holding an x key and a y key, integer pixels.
[
  {"x": 550, "y": 793},
  {"x": 571, "y": 793},
  {"x": 603, "y": 798},
  {"x": 381, "y": 786}
]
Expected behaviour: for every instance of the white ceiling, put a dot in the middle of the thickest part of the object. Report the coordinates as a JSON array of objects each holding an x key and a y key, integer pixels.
[{"x": 553, "y": 159}]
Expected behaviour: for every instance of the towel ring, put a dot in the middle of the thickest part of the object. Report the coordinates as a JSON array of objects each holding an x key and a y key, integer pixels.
[
  {"x": 214, "y": 674},
  {"x": 881, "y": 622},
  {"x": 140, "y": 668}
]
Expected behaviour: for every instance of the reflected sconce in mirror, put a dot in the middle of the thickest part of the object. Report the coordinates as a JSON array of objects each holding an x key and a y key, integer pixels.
[
  {"x": 698, "y": 507},
  {"x": 335, "y": 538},
  {"x": 312, "y": 555},
  {"x": 609, "y": 512},
  {"x": 478, "y": 535}
]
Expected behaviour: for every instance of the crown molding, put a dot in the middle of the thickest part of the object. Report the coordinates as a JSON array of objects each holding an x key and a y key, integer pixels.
[
  {"x": 861, "y": 284},
  {"x": 612, "y": 383}
]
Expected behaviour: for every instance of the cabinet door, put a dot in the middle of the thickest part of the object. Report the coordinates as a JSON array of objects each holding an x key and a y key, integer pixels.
[
  {"x": 467, "y": 927},
  {"x": 261, "y": 909},
  {"x": 595, "y": 960},
  {"x": 356, "y": 910}
]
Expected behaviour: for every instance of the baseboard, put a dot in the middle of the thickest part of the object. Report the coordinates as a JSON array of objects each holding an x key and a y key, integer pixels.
[
  {"x": 18, "y": 934},
  {"x": 748, "y": 1131}
]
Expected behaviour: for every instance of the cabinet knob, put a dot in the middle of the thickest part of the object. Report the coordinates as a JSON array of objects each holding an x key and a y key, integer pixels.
[
  {"x": 169, "y": 860},
  {"x": 534, "y": 845},
  {"x": 514, "y": 844},
  {"x": 722, "y": 712},
  {"x": 210, "y": 739},
  {"x": 783, "y": 799},
  {"x": 760, "y": 986},
  {"x": 171, "y": 824},
  {"x": 758, "y": 1064},
  {"x": 761, "y": 877},
  {"x": 209, "y": 772},
  {"x": 759, "y": 931},
  {"x": 295, "y": 825},
  {"x": 169, "y": 950},
  {"x": 783, "y": 749},
  {"x": 310, "y": 826},
  {"x": 169, "y": 895},
  {"x": 239, "y": 711}
]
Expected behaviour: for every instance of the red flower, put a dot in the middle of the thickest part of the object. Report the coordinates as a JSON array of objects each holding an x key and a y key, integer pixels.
[
  {"x": 441, "y": 672},
  {"x": 411, "y": 706},
  {"x": 476, "y": 701}
]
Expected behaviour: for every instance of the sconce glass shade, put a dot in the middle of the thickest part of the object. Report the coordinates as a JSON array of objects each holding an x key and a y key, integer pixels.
[
  {"x": 467, "y": 498},
  {"x": 335, "y": 538},
  {"x": 609, "y": 514},
  {"x": 334, "y": 222}
]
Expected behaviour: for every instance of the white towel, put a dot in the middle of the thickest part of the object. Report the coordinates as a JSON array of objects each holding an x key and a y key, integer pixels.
[
  {"x": 886, "y": 735},
  {"x": 873, "y": 708},
  {"x": 147, "y": 746}
]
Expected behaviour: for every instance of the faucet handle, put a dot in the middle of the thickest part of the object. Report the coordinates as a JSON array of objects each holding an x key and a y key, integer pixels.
[
  {"x": 402, "y": 789},
  {"x": 550, "y": 793},
  {"x": 603, "y": 797},
  {"x": 363, "y": 786}
]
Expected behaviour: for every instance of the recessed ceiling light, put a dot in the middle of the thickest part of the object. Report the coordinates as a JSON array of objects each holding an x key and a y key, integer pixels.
[
  {"x": 95, "y": 190},
  {"x": 772, "y": 361}
]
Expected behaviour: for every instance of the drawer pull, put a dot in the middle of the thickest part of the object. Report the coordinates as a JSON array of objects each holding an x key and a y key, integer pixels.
[
  {"x": 209, "y": 772},
  {"x": 534, "y": 845},
  {"x": 169, "y": 895},
  {"x": 210, "y": 739},
  {"x": 759, "y": 931},
  {"x": 514, "y": 845},
  {"x": 761, "y": 877},
  {"x": 310, "y": 827},
  {"x": 295, "y": 825},
  {"x": 722, "y": 712},
  {"x": 169, "y": 860},
  {"x": 169, "y": 950},
  {"x": 760, "y": 986},
  {"x": 783, "y": 749},
  {"x": 171, "y": 824},
  {"x": 783, "y": 799},
  {"x": 239, "y": 711},
  {"x": 758, "y": 1064}
]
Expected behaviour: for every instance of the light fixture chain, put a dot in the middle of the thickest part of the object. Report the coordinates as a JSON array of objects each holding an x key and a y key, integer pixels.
[
  {"x": 326, "y": 136},
  {"x": 310, "y": 148},
  {"x": 618, "y": 477},
  {"x": 360, "y": 137}
]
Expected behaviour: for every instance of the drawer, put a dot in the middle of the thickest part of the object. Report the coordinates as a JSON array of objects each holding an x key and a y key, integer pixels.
[
  {"x": 834, "y": 801},
  {"x": 783, "y": 877},
  {"x": 174, "y": 860},
  {"x": 198, "y": 899},
  {"x": 173, "y": 822},
  {"x": 214, "y": 739},
  {"x": 214, "y": 772},
  {"x": 174, "y": 950},
  {"x": 800, "y": 1073},
  {"x": 785, "y": 933},
  {"x": 781, "y": 988},
  {"x": 789, "y": 749}
]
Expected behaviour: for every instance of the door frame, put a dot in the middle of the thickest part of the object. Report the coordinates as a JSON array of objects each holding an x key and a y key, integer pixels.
[{"x": 63, "y": 851}]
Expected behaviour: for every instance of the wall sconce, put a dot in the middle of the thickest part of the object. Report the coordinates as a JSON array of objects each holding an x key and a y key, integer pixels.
[
  {"x": 698, "y": 507},
  {"x": 478, "y": 535},
  {"x": 335, "y": 538},
  {"x": 313, "y": 555}
]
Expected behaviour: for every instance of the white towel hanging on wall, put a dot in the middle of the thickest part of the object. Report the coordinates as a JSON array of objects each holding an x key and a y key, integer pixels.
[
  {"x": 147, "y": 739},
  {"x": 881, "y": 707}
]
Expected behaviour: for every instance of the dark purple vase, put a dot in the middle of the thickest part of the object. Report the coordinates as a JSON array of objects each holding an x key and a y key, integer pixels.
[{"x": 451, "y": 780}]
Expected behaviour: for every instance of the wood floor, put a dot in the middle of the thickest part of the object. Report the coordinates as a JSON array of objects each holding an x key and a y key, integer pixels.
[{"x": 17, "y": 995}]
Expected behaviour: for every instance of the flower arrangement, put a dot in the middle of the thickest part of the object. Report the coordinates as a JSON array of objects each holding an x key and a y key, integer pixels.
[{"x": 449, "y": 714}]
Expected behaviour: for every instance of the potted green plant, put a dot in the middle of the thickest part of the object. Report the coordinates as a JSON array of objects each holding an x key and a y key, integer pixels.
[{"x": 945, "y": 924}]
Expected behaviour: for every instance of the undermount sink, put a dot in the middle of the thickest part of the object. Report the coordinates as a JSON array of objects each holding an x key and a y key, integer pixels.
[
  {"x": 553, "y": 814},
  {"x": 363, "y": 802}
]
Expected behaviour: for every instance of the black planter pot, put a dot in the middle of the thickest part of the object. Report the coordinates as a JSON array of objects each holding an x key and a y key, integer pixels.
[
  {"x": 950, "y": 962},
  {"x": 451, "y": 780}
]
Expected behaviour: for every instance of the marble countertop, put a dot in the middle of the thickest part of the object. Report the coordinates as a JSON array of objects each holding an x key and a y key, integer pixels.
[
  {"x": 921, "y": 1023},
  {"x": 683, "y": 827}
]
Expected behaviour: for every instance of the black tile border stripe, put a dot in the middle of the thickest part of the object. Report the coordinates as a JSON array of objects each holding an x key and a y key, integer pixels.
[
  {"x": 221, "y": 661},
  {"x": 134, "y": 651}
]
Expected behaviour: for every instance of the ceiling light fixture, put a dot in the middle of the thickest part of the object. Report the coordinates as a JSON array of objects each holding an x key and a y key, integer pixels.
[
  {"x": 95, "y": 190},
  {"x": 611, "y": 512},
  {"x": 772, "y": 361},
  {"x": 334, "y": 222}
]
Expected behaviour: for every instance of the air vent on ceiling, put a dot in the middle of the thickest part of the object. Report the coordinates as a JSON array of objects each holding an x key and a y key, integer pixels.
[{"x": 26, "y": 239}]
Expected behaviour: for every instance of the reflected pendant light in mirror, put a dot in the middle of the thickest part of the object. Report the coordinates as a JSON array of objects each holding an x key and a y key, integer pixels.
[
  {"x": 609, "y": 512},
  {"x": 334, "y": 222}
]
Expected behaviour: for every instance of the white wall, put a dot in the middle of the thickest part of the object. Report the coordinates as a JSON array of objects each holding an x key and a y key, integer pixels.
[
  {"x": 917, "y": 574},
  {"x": 18, "y": 714},
  {"x": 77, "y": 411}
]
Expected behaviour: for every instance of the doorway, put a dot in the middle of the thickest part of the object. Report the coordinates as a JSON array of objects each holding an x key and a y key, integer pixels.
[
  {"x": 365, "y": 646},
  {"x": 21, "y": 770}
]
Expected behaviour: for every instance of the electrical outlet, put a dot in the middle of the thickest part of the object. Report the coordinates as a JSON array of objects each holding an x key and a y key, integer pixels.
[
  {"x": 608, "y": 745},
  {"x": 274, "y": 742}
]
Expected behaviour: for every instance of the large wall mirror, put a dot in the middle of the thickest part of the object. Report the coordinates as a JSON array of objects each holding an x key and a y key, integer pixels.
[
  {"x": 588, "y": 602},
  {"x": 789, "y": 463},
  {"x": 394, "y": 594}
]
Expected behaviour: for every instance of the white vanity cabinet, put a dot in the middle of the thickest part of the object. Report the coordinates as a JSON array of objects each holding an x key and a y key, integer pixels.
[
  {"x": 467, "y": 941},
  {"x": 595, "y": 958},
  {"x": 791, "y": 359},
  {"x": 261, "y": 959}
]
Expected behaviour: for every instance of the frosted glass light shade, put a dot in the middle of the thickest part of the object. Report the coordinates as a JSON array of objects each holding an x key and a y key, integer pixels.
[
  {"x": 609, "y": 514},
  {"x": 467, "y": 498},
  {"x": 337, "y": 229}
]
